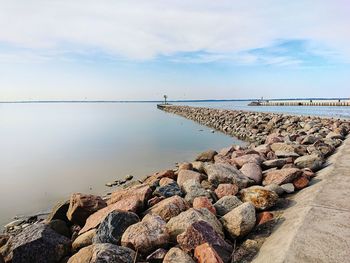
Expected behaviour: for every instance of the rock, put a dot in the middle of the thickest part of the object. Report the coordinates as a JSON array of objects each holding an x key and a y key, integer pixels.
[
  {"x": 249, "y": 158},
  {"x": 224, "y": 173},
  {"x": 226, "y": 151},
  {"x": 284, "y": 154},
  {"x": 113, "y": 226},
  {"x": 274, "y": 163},
  {"x": 3, "y": 239},
  {"x": 288, "y": 188},
  {"x": 154, "y": 179},
  {"x": 82, "y": 206},
  {"x": 226, "y": 204},
  {"x": 334, "y": 135},
  {"x": 193, "y": 189},
  {"x": 99, "y": 253},
  {"x": 222, "y": 159},
  {"x": 263, "y": 217},
  {"x": 164, "y": 181},
  {"x": 176, "y": 255},
  {"x": 168, "y": 190},
  {"x": 240, "y": 221},
  {"x": 273, "y": 138},
  {"x": 252, "y": 171},
  {"x": 155, "y": 200},
  {"x": 60, "y": 227},
  {"x": 203, "y": 202},
  {"x": 59, "y": 212},
  {"x": 276, "y": 188},
  {"x": 206, "y": 253},
  {"x": 264, "y": 148},
  {"x": 177, "y": 225},
  {"x": 313, "y": 162},
  {"x": 201, "y": 232},
  {"x": 226, "y": 189},
  {"x": 129, "y": 204},
  {"x": 128, "y": 177},
  {"x": 146, "y": 236},
  {"x": 206, "y": 185},
  {"x": 260, "y": 197},
  {"x": 139, "y": 193},
  {"x": 248, "y": 249},
  {"x": 309, "y": 139},
  {"x": 300, "y": 182},
  {"x": 282, "y": 176},
  {"x": 157, "y": 256},
  {"x": 198, "y": 166},
  {"x": 185, "y": 175},
  {"x": 185, "y": 166},
  {"x": 207, "y": 156},
  {"x": 1, "y": 259},
  {"x": 280, "y": 146},
  {"x": 169, "y": 208},
  {"x": 37, "y": 243},
  {"x": 84, "y": 240}
]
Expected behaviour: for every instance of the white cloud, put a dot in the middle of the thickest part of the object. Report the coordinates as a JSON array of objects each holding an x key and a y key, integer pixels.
[{"x": 143, "y": 30}]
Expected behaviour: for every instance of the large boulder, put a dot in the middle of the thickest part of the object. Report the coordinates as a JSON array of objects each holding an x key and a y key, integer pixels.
[
  {"x": 259, "y": 196},
  {"x": 225, "y": 173},
  {"x": 176, "y": 255},
  {"x": 146, "y": 236},
  {"x": 194, "y": 189},
  {"x": 282, "y": 176},
  {"x": 178, "y": 224},
  {"x": 207, "y": 156},
  {"x": 313, "y": 162},
  {"x": 81, "y": 206},
  {"x": 252, "y": 171},
  {"x": 205, "y": 253},
  {"x": 168, "y": 190},
  {"x": 84, "y": 240},
  {"x": 168, "y": 208},
  {"x": 99, "y": 253},
  {"x": 226, "y": 204},
  {"x": 140, "y": 192},
  {"x": 37, "y": 243},
  {"x": 240, "y": 221},
  {"x": 201, "y": 232},
  {"x": 113, "y": 227},
  {"x": 185, "y": 175}
]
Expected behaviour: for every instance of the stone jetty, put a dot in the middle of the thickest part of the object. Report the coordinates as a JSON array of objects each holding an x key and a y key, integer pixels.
[{"x": 219, "y": 208}]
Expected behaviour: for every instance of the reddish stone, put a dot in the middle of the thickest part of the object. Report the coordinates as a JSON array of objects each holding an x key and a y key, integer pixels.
[
  {"x": 203, "y": 202},
  {"x": 165, "y": 181},
  {"x": 273, "y": 138},
  {"x": 140, "y": 193},
  {"x": 206, "y": 254},
  {"x": 282, "y": 176},
  {"x": 308, "y": 173},
  {"x": 252, "y": 171},
  {"x": 226, "y": 189},
  {"x": 185, "y": 175},
  {"x": 301, "y": 182},
  {"x": 153, "y": 179},
  {"x": 248, "y": 158},
  {"x": 263, "y": 217},
  {"x": 155, "y": 200}
]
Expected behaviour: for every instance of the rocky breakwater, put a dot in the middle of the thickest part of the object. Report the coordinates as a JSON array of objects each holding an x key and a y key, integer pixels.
[{"x": 213, "y": 209}]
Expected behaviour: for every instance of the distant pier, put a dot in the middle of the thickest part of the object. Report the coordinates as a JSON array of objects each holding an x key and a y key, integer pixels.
[{"x": 300, "y": 103}]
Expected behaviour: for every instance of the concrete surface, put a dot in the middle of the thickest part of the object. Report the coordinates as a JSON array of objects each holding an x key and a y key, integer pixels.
[{"x": 317, "y": 227}]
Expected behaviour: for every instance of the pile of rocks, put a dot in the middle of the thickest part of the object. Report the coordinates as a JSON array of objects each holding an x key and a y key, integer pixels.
[{"x": 203, "y": 211}]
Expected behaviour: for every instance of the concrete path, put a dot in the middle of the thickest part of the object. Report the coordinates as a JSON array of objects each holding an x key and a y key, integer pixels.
[{"x": 317, "y": 226}]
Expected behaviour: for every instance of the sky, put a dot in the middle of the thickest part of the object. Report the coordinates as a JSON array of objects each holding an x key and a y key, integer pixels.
[{"x": 198, "y": 49}]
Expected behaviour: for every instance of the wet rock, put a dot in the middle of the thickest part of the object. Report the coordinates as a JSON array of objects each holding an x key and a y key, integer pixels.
[
  {"x": 164, "y": 181},
  {"x": 82, "y": 206},
  {"x": 206, "y": 253},
  {"x": 274, "y": 163},
  {"x": 224, "y": 173},
  {"x": 288, "y": 188},
  {"x": 146, "y": 236},
  {"x": 201, "y": 232},
  {"x": 168, "y": 190},
  {"x": 240, "y": 221},
  {"x": 260, "y": 197},
  {"x": 207, "y": 156},
  {"x": 157, "y": 256},
  {"x": 60, "y": 227},
  {"x": 300, "y": 182},
  {"x": 312, "y": 162},
  {"x": 282, "y": 176},
  {"x": 169, "y": 208},
  {"x": 37, "y": 243},
  {"x": 203, "y": 202},
  {"x": 249, "y": 158},
  {"x": 226, "y": 189},
  {"x": 176, "y": 255},
  {"x": 185, "y": 166},
  {"x": 113, "y": 226},
  {"x": 177, "y": 225},
  {"x": 263, "y": 217},
  {"x": 185, "y": 175},
  {"x": 226, "y": 204},
  {"x": 98, "y": 253},
  {"x": 276, "y": 188},
  {"x": 193, "y": 189},
  {"x": 84, "y": 240},
  {"x": 139, "y": 193},
  {"x": 252, "y": 171},
  {"x": 59, "y": 212}
]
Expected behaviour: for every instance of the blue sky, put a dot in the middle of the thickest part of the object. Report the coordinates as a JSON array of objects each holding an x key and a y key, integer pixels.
[{"x": 121, "y": 50}]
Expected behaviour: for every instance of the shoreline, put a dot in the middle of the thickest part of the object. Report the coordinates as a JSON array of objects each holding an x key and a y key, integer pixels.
[{"x": 275, "y": 156}]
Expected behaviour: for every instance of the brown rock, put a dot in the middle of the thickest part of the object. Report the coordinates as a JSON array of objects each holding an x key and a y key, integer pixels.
[
  {"x": 283, "y": 147},
  {"x": 165, "y": 181},
  {"x": 207, "y": 156},
  {"x": 84, "y": 240},
  {"x": 201, "y": 232},
  {"x": 206, "y": 254},
  {"x": 198, "y": 166},
  {"x": 274, "y": 163},
  {"x": 157, "y": 256},
  {"x": 185, "y": 175},
  {"x": 252, "y": 171},
  {"x": 259, "y": 196},
  {"x": 169, "y": 207},
  {"x": 282, "y": 176},
  {"x": 146, "y": 236},
  {"x": 59, "y": 212},
  {"x": 300, "y": 182},
  {"x": 154, "y": 179},
  {"x": 185, "y": 166},
  {"x": 273, "y": 138},
  {"x": 3, "y": 239},
  {"x": 226, "y": 189},
  {"x": 227, "y": 151},
  {"x": 249, "y": 158},
  {"x": 263, "y": 217},
  {"x": 82, "y": 206},
  {"x": 140, "y": 193},
  {"x": 203, "y": 202},
  {"x": 155, "y": 200},
  {"x": 176, "y": 255}
]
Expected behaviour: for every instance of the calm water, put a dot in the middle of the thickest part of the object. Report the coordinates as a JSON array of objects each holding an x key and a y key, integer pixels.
[{"x": 49, "y": 151}]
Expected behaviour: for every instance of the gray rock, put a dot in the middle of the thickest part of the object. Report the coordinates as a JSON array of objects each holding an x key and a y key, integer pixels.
[
  {"x": 226, "y": 204},
  {"x": 288, "y": 188},
  {"x": 60, "y": 227},
  {"x": 168, "y": 190},
  {"x": 313, "y": 162},
  {"x": 176, "y": 255},
  {"x": 207, "y": 156},
  {"x": 157, "y": 256},
  {"x": 276, "y": 188},
  {"x": 113, "y": 226},
  {"x": 194, "y": 189}
]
